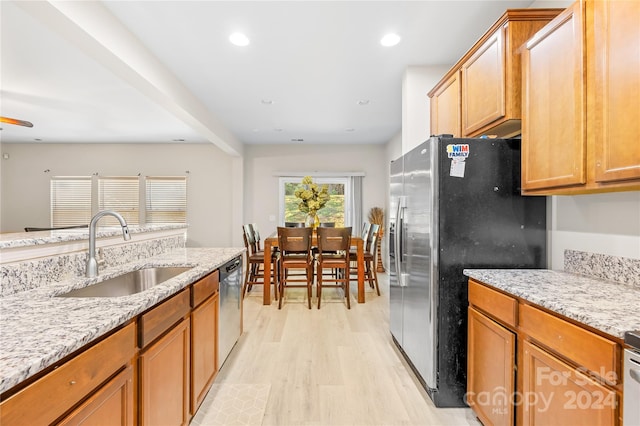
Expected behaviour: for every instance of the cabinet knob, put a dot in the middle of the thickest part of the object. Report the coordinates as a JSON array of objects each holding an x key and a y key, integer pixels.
[{"x": 73, "y": 382}]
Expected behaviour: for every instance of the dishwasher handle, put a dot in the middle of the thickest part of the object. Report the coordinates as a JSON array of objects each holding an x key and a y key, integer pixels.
[
  {"x": 635, "y": 374},
  {"x": 230, "y": 267}
]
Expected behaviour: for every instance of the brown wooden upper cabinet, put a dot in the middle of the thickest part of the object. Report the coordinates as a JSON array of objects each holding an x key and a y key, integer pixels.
[
  {"x": 581, "y": 101},
  {"x": 481, "y": 93},
  {"x": 445, "y": 107}
]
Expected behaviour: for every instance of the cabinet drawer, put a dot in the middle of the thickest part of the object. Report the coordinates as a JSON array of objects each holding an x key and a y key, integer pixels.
[
  {"x": 162, "y": 317},
  {"x": 45, "y": 400},
  {"x": 204, "y": 288},
  {"x": 586, "y": 349},
  {"x": 496, "y": 304}
]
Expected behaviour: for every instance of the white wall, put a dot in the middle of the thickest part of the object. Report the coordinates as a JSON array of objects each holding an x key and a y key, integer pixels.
[
  {"x": 214, "y": 177},
  {"x": 416, "y": 115},
  {"x": 263, "y": 162},
  {"x": 551, "y": 4},
  {"x": 597, "y": 223}
]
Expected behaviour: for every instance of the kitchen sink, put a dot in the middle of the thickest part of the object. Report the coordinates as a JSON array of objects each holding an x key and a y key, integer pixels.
[{"x": 130, "y": 283}]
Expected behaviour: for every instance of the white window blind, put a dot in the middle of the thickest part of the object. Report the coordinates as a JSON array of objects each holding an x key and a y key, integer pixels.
[
  {"x": 166, "y": 199},
  {"x": 70, "y": 200},
  {"x": 120, "y": 194}
]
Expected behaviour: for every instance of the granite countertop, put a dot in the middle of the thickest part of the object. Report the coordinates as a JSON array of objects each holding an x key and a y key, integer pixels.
[
  {"x": 606, "y": 306},
  {"x": 38, "y": 329},
  {"x": 25, "y": 239}
]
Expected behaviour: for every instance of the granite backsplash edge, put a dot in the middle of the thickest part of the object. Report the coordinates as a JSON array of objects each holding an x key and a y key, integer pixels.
[{"x": 611, "y": 268}]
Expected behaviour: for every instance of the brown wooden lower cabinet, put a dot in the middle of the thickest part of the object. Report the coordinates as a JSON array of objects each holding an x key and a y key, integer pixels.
[
  {"x": 555, "y": 393},
  {"x": 47, "y": 399},
  {"x": 161, "y": 380},
  {"x": 164, "y": 379},
  {"x": 112, "y": 405},
  {"x": 491, "y": 370},
  {"x": 530, "y": 366}
]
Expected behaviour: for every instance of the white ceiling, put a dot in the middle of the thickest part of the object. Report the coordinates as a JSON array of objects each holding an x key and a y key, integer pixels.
[{"x": 158, "y": 71}]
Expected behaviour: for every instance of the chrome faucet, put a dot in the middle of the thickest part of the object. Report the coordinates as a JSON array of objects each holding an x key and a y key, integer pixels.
[{"x": 92, "y": 263}]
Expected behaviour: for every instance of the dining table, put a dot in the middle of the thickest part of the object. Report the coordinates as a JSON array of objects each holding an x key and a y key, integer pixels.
[{"x": 272, "y": 241}]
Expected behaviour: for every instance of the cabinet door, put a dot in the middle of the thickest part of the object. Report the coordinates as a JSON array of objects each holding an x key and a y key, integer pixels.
[
  {"x": 616, "y": 73},
  {"x": 204, "y": 349},
  {"x": 491, "y": 370},
  {"x": 164, "y": 379},
  {"x": 553, "y": 116},
  {"x": 110, "y": 405},
  {"x": 554, "y": 393},
  {"x": 483, "y": 85},
  {"x": 445, "y": 108}
]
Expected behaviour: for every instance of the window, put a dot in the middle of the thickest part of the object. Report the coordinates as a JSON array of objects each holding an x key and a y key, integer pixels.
[
  {"x": 76, "y": 199},
  {"x": 337, "y": 209},
  {"x": 166, "y": 199},
  {"x": 70, "y": 201},
  {"x": 121, "y": 194}
]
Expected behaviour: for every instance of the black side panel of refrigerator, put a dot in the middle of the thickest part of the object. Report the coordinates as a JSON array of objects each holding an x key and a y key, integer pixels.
[{"x": 484, "y": 223}]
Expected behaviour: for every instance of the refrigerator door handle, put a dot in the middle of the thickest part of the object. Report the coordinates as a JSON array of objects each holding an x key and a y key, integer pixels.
[{"x": 402, "y": 277}]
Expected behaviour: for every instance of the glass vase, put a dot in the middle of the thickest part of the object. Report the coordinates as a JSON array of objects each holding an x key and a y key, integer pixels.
[{"x": 312, "y": 220}]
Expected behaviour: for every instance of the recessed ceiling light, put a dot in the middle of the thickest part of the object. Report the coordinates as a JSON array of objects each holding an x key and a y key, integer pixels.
[
  {"x": 390, "y": 39},
  {"x": 363, "y": 102},
  {"x": 178, "y": 140},
  {"x": 267, "y": 102},
  {"x": 297, "y": 140},
  {"x": 350, "y": 129},
  {"x": 278, "y": 129},
  {"x": 239, "y": 39}
]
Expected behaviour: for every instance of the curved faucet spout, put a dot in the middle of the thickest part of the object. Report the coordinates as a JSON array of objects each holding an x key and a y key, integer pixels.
[{"x": 92, "y": 263}]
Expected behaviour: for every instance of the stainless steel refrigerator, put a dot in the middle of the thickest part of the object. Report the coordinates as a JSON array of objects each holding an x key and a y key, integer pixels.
[{"x": 455, "y": 204}]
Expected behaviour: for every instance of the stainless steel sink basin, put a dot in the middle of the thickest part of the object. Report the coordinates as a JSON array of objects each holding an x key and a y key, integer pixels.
[{"x": 130, "y": 283}]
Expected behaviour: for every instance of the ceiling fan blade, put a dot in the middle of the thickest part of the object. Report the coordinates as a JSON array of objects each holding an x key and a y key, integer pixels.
[{"x": 16, "y": 122}]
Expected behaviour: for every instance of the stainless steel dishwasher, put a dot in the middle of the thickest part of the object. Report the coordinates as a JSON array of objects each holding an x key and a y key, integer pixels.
[
  {"x": 229, "y": 319},
  {"x": 631, "y": 392}
]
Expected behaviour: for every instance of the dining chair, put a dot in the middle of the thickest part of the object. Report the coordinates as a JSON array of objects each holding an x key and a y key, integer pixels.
[
  {"x": 294, "y": 224},
  {"x": 256, "y": 235},
  {"x": 254, "y": 266},
  {"x": 295, "y": 254},
  {"x": 333, "y": 254},
  {"x": 371, "y": 256},
  {"x": 370, "y": 244},
  {"x": 327, "y": 224}
]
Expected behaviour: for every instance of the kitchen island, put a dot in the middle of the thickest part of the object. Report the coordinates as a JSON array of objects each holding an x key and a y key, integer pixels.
[
  {"x": 39, "y": 329},
  {"x": 147, "y": 356}
]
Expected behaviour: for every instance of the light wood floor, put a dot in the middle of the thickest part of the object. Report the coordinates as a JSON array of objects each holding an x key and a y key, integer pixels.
[{"x": 331, "y": 366}]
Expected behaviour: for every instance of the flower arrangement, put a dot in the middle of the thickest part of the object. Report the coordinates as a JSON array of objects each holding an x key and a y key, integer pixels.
[
  {"x": 312, "y": 198},
  {"x": 376, "y": 215}
]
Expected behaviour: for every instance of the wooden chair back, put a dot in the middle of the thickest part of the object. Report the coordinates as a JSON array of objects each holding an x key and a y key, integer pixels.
[
  {"x": 250, "y": 238},
  {"x": 334, "y": 240},
  {"x": 294, "y": 240},
  {"x": 372, "y": 238}
]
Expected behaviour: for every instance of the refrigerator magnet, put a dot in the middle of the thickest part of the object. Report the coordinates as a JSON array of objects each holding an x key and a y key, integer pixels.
[{"x": 459, "y": 150}]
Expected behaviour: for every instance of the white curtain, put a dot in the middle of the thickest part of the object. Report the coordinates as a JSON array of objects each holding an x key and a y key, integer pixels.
[{"x": 356, "y": 204}]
